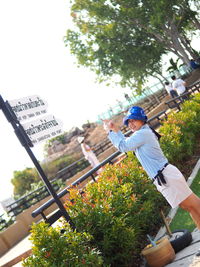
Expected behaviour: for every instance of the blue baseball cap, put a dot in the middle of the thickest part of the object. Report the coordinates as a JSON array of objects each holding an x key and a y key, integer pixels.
[{"x": 135, "y": 113}]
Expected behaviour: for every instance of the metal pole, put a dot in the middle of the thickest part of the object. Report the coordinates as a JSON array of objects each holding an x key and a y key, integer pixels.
[
  {"x": 49, "y": 186},
  {"x": 26, "y": 143}
]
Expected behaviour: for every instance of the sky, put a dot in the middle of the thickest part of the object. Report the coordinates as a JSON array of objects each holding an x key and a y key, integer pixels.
[{"x": 35, "y": 61}]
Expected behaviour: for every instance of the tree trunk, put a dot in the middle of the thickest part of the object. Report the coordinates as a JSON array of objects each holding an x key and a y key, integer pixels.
[
  {"x": 160, "y": 80},
  {"x": 179, "y": 47},
  {"x": 177, "y": 54},
  {"x": 196, "y": 23},
  {"x": 173, "y": 46},
  {"x": 164, "y": 78},
  {"x": 188, "y": 47},
  {"x": 169, "y": 38}
]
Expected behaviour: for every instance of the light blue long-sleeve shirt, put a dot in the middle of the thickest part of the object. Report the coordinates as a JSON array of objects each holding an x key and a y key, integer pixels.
[{"x": 146, "y": 147}]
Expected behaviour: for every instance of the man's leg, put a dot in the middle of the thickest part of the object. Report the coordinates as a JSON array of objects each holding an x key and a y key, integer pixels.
[
  {"x": 173, "y": 93},
  {"x": 192, "y": 205}
]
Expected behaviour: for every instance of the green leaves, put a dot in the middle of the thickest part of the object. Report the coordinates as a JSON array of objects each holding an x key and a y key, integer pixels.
[
  {"x": 117, "y": 210},
  {"x": 114, "y": 214},
  {"x": 22, "y": 180},
  {"x": 180, "y": 130},
  {"x": 127, "y": 39},
  {"x": 109, "y": 42},
  {"x": 174, "y": 65},
  {"x": 51, "y": 248}
]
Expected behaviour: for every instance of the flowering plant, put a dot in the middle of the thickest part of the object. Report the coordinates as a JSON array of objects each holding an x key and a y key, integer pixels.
[
  {"x": 117, "y": 210},
  {"x": 51, "y": 248},
  {"x": 180, "y": 130}
]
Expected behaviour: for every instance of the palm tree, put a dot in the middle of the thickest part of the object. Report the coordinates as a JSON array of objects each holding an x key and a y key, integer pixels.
[{"x": 174, "y": 68}]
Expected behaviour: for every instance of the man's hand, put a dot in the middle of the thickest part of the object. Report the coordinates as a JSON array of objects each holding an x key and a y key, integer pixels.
[{"x": 109, "y": 125}]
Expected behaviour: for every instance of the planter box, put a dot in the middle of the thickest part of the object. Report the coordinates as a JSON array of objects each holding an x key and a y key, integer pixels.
[
  {"x": 26, "y": 218},
  {"x": 160, "y": 255},
  {"x": 14, "y": 233},
  {"x": 3, "y": 246}
]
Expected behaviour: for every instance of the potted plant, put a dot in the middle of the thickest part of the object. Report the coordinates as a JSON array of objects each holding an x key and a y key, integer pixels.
[{"x": 160, "y": 253}]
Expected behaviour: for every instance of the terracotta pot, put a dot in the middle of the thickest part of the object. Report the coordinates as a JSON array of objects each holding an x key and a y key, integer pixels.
[{"x": 160, "y": 255}]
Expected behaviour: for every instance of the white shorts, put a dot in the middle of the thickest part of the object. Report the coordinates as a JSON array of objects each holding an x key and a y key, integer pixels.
[{"x": 176, "y": 190}]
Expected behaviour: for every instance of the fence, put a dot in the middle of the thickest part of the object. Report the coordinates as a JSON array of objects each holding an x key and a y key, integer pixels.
[
  {"x": 37, "y": 195},
  {"x": 40, "y": 211},
  {"x": 64, "y": 174},
  {"x": 123, "y": 106},
  {"x": 149, "y": 90}
]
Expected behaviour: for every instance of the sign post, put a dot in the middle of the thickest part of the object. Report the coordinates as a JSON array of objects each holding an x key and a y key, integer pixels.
[
  {"x": 42, "y": 129},
  {"x": 27, "y": 142},
  {"x": 28, "y": 107}
]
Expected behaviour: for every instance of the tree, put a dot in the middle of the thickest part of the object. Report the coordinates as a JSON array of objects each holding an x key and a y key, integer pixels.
[
  {"x": 128, "y": 38},
  {"x": 118, "y": 54},
  {"x": 28, "y": 178},
  {"x": 22, "y": 180},
  {"x": 174, "y": 65}
]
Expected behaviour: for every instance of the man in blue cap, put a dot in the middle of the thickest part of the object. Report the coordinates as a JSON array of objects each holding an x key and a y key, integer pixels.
[{"x": 168, "y": 180}]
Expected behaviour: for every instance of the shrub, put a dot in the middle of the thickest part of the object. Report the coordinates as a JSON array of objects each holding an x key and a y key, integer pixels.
[
  {"x": 53, "y": 249},
  {"x": 117, "y": 211},
  {"x": 51, "y": 168},
  {"x": 180, "y": 130}
]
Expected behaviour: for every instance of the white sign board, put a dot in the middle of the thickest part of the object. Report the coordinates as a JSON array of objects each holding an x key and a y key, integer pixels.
[
  {"x": 28, "y": 107},
  {"x": 42, "y": 129}
]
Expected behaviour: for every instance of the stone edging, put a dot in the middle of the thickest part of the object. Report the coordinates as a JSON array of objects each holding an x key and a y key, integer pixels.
[
  {"x": 172, "y": 212},
  {"x": 18, "y": 259}
]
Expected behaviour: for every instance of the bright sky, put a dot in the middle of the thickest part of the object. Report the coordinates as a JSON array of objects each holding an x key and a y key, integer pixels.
[{"x": 34, "y": 60}]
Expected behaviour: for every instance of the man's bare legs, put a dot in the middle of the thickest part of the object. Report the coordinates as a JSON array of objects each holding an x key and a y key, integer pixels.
[{"x": 192, "y": 205}]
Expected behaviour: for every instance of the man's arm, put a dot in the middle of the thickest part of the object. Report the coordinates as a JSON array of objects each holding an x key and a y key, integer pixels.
[{"x": 121, "y": 142}]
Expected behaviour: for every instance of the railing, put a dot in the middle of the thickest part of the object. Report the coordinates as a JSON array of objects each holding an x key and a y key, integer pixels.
[
  {"x": 177, "y": 101},
  {"x": 126, "y": 104},
  {"x": 35, "y": 196},
  {"x": 4, "y": 223},
  {"x": 90, "y": 174},
  {"x": 76, "y": 166},
  {"x": 30, "y": 199},
  {"x": 192, "y": 89}
]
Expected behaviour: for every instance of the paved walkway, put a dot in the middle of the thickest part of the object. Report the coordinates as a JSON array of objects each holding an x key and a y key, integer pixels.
[
  {"x": 187, "y": 257},
  {"x": 20, "y": 248}
]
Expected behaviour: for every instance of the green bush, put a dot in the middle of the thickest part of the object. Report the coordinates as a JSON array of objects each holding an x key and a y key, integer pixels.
[
  {"x": 22, "y": 181},
  {"x": 118, "y": 211},
  {"x": 51, "y": 168},
  {"x": 180, "y": 130},
  {"x": 25, "y": 180},
  {"x": 53, "y": 249}
]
